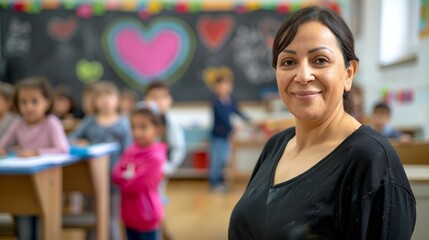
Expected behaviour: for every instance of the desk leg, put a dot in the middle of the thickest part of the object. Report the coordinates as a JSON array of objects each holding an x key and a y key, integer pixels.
[
  {"x": 48, "y": 185},
  {"x": 99, "y": 168}
]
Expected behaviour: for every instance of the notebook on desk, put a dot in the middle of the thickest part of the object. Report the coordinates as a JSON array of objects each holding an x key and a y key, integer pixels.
[
  {"x": 11, "y": 161},
  {"x": 94, "y": 149}
]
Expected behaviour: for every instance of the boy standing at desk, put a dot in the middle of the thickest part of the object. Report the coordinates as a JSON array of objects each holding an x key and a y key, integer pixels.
[{"x": 224, "y": 106}]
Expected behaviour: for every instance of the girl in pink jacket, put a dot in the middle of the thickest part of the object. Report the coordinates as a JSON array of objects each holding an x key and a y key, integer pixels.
[{"x": 138, "y": 173}]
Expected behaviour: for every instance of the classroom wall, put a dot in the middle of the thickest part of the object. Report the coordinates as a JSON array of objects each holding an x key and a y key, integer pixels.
[
  {"x": 408, "y": 76},
  {"x": 371, "y": 77}
]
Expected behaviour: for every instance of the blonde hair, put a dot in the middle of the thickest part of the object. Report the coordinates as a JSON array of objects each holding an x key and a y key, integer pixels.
[{"x": 212, "y": 76}]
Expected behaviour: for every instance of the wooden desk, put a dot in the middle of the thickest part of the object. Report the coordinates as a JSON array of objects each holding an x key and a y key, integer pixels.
[
  {"x": 39, "y": 194},
  {"x": 413, "y": 153},
  {"x": 34, "y": 186},
  {"x": 92, "y": 177}
]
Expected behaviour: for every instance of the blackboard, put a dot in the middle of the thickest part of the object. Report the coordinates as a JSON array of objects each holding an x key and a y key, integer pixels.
[{"x": 133, "y": 51}]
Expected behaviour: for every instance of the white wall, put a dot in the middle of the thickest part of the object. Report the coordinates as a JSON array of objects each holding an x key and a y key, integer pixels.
[{"x": 409, "y": 76}]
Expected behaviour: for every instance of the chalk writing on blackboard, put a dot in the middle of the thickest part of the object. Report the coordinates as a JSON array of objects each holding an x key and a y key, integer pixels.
[
  {"x": 18, "y": 37},
  {"x": 252, "y": 55},
  {"x": 269, "y": 27}
]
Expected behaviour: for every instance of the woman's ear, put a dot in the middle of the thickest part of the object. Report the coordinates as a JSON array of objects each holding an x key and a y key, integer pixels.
[{"x": 351, "y": 72}]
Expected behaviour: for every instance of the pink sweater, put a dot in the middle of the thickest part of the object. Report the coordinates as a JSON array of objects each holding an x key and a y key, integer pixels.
[
  {"x": 141, "y": 204},
  {"x": 47, "y": 136}
]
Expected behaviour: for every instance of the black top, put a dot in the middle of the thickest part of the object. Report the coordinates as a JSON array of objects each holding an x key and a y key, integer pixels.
[{"x": 358, "y": 191}]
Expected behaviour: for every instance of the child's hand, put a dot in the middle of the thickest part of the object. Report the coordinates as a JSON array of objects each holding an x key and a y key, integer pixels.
[
  {"x": 129, "y": 172},
  {"x": 27, "y": 153},
  {"x": 81, "y": 142},
  {"x": 2, "y": 152}
]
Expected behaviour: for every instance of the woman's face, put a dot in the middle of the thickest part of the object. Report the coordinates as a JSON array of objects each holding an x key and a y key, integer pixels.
[{"x": 311, "y": 74}]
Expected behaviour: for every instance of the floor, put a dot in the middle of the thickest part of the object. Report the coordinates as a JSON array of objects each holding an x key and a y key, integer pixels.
[{"x": 194, "y": 211}]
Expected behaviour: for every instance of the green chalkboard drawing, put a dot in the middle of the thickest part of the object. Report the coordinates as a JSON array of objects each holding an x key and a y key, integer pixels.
[{"x": 88, "y": 71}]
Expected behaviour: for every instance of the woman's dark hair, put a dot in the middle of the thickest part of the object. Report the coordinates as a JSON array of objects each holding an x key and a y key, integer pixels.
[
  {"x": 328, "y": 18},
  {"x": 39, "y": 83}
]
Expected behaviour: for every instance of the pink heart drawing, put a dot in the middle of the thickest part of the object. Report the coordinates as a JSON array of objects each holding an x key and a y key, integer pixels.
[
  {"x": 140, "y": 54},
  {"x": 143, "y": 55}
]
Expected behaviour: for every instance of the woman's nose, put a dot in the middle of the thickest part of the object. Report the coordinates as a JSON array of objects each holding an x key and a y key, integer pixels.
[{"x": 304, "y": 74}]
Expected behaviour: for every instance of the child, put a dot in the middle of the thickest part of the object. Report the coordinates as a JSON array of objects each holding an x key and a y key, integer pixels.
[
  {"x": 37, "y": 132},
  {"x": 138, "y": 175},
  {"x": 223, "y": 105},
  {"x": 173, "y": 135},
  {"x": 380, "y": 122},
  {"x": 6, "y": 116},
  {"x": 127, "y": 100},
  {"x": 356, "y": 98},
  {"x": 87, "y": 100},
  {"x": 65, "y": 107},
  {"x": 105, "y": 125}
]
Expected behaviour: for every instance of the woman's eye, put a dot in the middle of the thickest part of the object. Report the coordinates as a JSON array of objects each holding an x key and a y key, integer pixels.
[
  {"x": 288, "y": 62},
  {"x": 321, "y": 61}
]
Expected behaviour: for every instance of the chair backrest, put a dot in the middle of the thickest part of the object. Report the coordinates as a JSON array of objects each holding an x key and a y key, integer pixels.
[{"x": 413, "y": 153}]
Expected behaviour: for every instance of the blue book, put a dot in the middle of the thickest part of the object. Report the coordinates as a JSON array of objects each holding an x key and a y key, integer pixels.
[{"x": 94, "y": 149}]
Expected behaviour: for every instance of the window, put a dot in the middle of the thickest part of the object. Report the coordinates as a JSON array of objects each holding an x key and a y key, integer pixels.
[{"x": 399, "y": 31}]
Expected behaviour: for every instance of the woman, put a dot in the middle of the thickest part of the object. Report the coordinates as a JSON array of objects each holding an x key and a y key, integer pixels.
[{"x": 329, "y": 177}]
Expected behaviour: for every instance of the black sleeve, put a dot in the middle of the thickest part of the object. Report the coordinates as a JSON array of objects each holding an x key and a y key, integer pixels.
[{"x": 388, "y": 213}]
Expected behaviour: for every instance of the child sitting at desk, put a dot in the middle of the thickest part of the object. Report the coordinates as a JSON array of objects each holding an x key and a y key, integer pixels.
[
  {"x": 106, "y": 125},
  {"x": 139, "y": 173},
  {"x": 37, "y": 132},
  {"x": 6, "y": 116}
]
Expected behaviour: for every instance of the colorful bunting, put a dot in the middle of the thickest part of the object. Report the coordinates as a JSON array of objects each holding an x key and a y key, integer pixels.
[{"x": 87, "y": 8}]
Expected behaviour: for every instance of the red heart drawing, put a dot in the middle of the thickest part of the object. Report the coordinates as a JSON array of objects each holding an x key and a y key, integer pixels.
[
  {"x": 214, "y": 32},
  {"x": 62, "y": 29}
]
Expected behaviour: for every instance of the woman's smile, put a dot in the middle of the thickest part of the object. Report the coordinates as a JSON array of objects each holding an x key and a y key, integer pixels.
[{"x": 306, "y": 94}]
